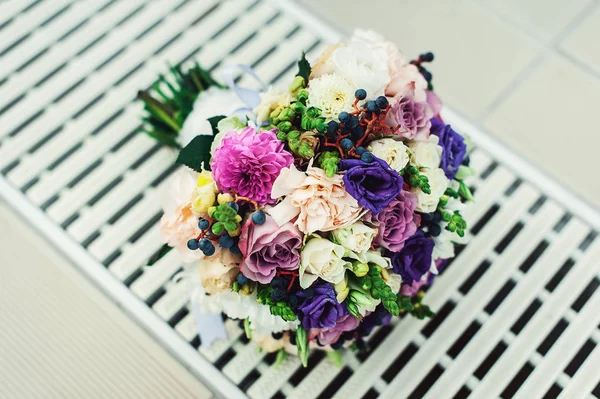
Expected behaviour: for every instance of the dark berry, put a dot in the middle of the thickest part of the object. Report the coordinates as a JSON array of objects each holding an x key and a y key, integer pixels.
[
  {"x": 234, "y": 206},
  {"x": 343, "y": 116},
  {"x": 437, "y": 216},
  {"x": 241, "y": 279},
  {"x": 435, "y": 229},
  {"x": 293, "y": 301},
  {"x": 357, "y": 133},
  {"x": 332, "y": 127},
  {"x": 426, "y": 57},
  {"x": 346, "y": 144},
  {"x": 427, "y": 217},
  {"x": 278, "y": 283},
  {"x": 225, "y": 241},
  {"x": 192, "y": 244},
  {"x": 367, "y": 157},
  {"x": 293, "y": 339},
  {"x": 372, "y": 106},
  {"x": 426, "y": 74},
  {"x": 360, "y": 94},
  {"x": 235, "y": 249},
  {"x": 352, "y": 122},
  {"x": 259, "y": 217},
  {"x": 338, "y": 344},
  {"x": 210, "y": 251},
  {"x": 203, "y": 224},
  {"x": 279, "y": 295},
  {"x": 277, "y": 335},
  {"x": 204, "y": 243},
  {"x": 381, "y": 102},
  {"x": 359, "y": 150}
]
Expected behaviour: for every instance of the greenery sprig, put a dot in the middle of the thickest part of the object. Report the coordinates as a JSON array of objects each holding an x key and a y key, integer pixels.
[
  {"x": 171, "y": 99},
  {"x": 415, "y": 179}
]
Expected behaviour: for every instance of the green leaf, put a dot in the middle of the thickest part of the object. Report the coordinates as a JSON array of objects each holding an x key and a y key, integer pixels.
[
  {"x": 281, "y": 356},
  {"x": 302, "y": 344},
  {"x": 304, "y": 67},
  {"x": 196, "y": 155},
  {"x": 214, "y": 122}
]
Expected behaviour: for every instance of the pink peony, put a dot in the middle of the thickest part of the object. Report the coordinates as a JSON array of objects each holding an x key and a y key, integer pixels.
[{"x": 248, "y": 163}]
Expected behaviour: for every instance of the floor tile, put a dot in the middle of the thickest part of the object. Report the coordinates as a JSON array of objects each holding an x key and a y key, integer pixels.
[
  {"x": 477, "y": 55},
  {"x": 544, "y": 19},
  {"x": 548, "y": 120},
  {"x": 584, "y": 42}
]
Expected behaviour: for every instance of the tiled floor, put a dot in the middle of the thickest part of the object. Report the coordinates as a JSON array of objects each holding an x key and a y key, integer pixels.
[{"x": 525, "y": 71}]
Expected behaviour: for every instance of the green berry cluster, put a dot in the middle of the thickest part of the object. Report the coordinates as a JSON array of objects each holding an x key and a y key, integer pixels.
[
  {"x": 376, "y": 285},
  {"x": 282, "y": 309},
  {"x": 294, "y": 142},
  {"x": 415, "y": 179},
  {"x": 456, "y": 223},
  {"x": 226, "y": 219},
  {"x": 329, "y": 161}
]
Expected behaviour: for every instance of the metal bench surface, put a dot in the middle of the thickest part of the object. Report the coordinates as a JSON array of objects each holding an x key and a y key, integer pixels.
[{"x": 517, "y": 310}]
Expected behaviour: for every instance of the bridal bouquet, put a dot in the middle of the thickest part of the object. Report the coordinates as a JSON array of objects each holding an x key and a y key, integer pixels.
[{"x": 314, "y": 213}]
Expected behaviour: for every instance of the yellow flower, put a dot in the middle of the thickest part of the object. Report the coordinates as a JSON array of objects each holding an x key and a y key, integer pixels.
[{"x": 205, "y": 194}]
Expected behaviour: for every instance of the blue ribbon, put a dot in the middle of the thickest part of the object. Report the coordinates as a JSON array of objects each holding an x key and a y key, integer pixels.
[{"x": 250, "y": 97}]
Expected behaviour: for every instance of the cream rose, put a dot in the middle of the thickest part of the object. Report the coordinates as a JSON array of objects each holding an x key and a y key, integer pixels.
[
  {"x": 438, "y": 182},
  {"x": 320, "y": 202},
  {"x": 322, "y": 258},
  {"x": 205, "y": 194},
  {"x": 218, "y": 272},
  {"x": 356, "y": 237},
  {"x": 395, "y": 153},
  {"x": 426, "y": 154}
]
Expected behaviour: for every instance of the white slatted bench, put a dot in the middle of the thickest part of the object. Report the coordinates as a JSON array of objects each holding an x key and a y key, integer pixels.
[{"x": 518, "y": 310}]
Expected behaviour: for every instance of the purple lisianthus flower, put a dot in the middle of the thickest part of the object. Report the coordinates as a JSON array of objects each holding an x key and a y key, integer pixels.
[
  {"x": 414, "y": 260},
  {"x": 373, "y": 184},
  {"x": 453, "y": 145},
  {"x": 267, "y": 248},
  {"x": 412, "y": 118},
  {"x": 396, "y": 222},
  {"x": 248, "y": 163},
  {"x": 320, "y": 307}
]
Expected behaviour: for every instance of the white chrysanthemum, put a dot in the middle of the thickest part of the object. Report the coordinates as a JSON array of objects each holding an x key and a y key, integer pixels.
[{"x": 332, "y": 94}]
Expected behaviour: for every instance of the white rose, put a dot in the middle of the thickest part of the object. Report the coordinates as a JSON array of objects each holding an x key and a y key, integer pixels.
[
  {"x": 322, "y": 258},
  {"x": 269, "y": 101},
  {"x": 218, "y": 272},
  {"x": 395, "y": 153},
  {"x": 394, "y": 281},
  {"x": 438, "y": 182},
  {"x": 357, "y": 237},
  {"x": 426, "y": 154},
  {"x": 374, "y": 257},
  {"x": 211, "y": 102}
]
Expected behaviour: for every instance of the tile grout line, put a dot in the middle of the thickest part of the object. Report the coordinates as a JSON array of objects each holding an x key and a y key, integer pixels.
[{"x": 549, "y": 48}]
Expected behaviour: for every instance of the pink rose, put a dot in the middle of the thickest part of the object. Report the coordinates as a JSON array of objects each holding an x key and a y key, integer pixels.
[
  {"x": 267, "y": 248},
  {"x": 397, "y": 222},
  {"x": 328, "y": 336}
]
